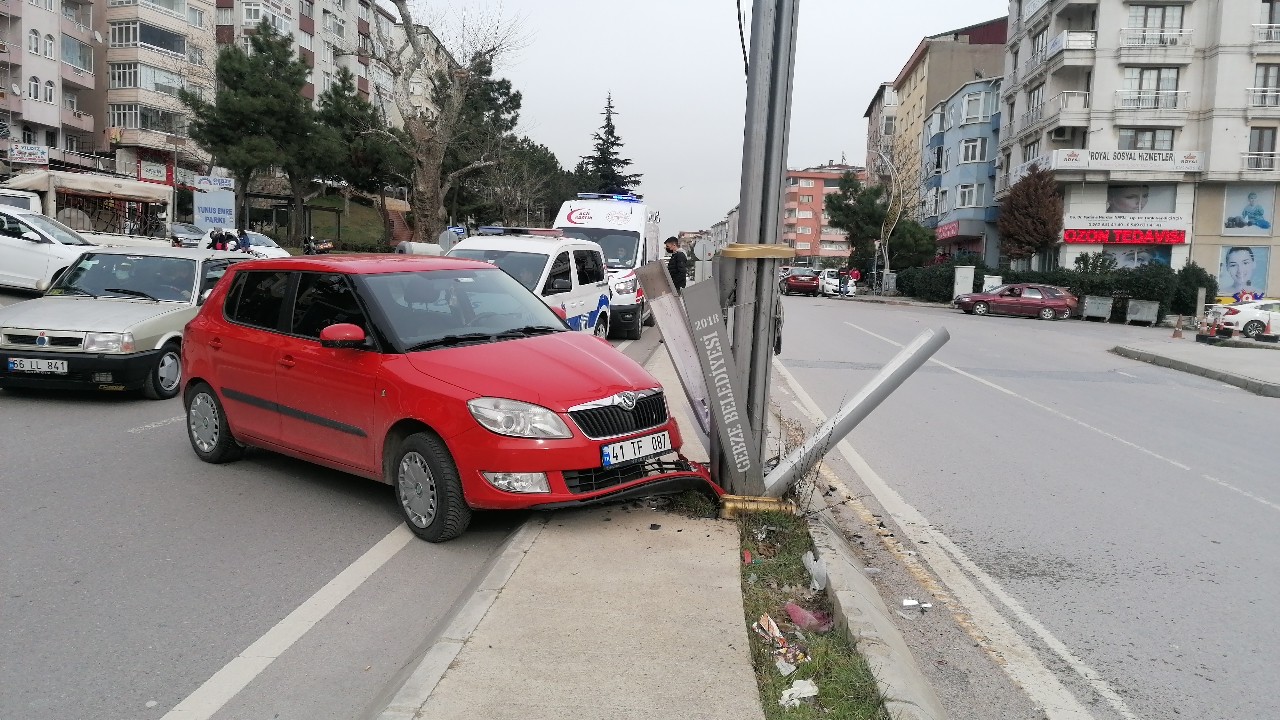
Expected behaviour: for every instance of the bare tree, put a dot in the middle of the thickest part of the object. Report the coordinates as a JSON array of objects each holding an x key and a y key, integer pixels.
[{"x": 431, "y": 85}]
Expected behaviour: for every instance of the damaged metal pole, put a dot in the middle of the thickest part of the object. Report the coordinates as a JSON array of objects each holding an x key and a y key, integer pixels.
[
  {"x": 838, "y": 426},
  {"x": 754, "y": 259}
]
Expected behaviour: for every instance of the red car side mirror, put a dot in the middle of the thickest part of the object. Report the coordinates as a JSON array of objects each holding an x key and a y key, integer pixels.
[{"x": 342, "y": 335}]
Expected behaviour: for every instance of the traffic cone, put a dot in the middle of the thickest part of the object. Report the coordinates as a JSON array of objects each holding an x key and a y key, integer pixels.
[{"x": 1177, "y": 329}]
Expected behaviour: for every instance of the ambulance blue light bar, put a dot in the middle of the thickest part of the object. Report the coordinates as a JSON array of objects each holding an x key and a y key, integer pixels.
[
  {"x": 607, "y": 196},
  {"x": 498, "y": 230}
]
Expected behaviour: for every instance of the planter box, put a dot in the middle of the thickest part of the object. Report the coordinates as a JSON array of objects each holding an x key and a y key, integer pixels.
[{"x": 1143, "y": 311}]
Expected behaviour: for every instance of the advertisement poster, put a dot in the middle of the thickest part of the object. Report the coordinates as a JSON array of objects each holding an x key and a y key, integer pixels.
[
  {"x": 1141, "y": 255},
  {"x": 1249, "y": 210},
  {"x": 1141, "y": 199},
  {"x": 1242, "y": 272},
  {"x": 28, "y": 154}
]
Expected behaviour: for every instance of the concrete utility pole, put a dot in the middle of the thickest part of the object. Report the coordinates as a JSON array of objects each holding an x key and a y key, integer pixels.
[{"x": 754, "y": 258}]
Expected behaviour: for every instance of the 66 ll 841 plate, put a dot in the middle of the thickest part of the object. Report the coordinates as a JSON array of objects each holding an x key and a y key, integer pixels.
[{"x": 38, "y": 365}]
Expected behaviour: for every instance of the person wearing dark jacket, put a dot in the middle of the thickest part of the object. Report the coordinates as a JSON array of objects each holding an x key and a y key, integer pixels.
[{"x": 678, "y": 265}]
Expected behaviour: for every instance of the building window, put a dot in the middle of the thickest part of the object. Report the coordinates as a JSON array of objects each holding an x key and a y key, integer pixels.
[
  {"x": 195, "y": 55},
  {"x": 33, "y": 87},
  {"x": 304, "y": 40},
  {"x": 804, "y": 230},
  {"x": 306, "y": 7},
  {"x": 124, "y": 75},
  {"x": 790, "y": 213},
  {"x": 942, "y": 202},
  {"x": 225, "y": 16},
  {"x": 48, "y": 46},
  {"x": 195, "y": 17},
  {"x": 806, "y": 199},
  {"x": 72, "y": 143},
  {"x": 331, "y": 53},
  {"x": 1155, "y": 17},
  {"x": 1031, "y": 151},
  {"x": 340, "y": 4},
  {"x": 28, "y": 137},
  {"x": 1150, "y": 88},
  {"x": 1270, "y": 12},
  {"x": 887, "y": 122},
  {"x": 327, "y": 81},
  {"x": 975, "y": 107},
  {"x": 806, "y": 182},
  {"x": 77, "y": 54},
  {"x": 968, "y": 195},
  {"x": 70, "y": 100},
  {"x": 33, "y": 42},
  {"x": 805, "y": 214},
  {"x": 48, "y": 92},
  {"x": 335, "y": 24},
  {"x": 973, "y": 150},
  {"x": 1262, "y": 148},
  {"x": 51, "y": 138},
  {"x": 123, "y": 116},
  {"x": 1143, "y": 139},
  {"x": 1035, "y": 97},
  {"x": 252, "y": 13},
  {"x": 936, "y": 168},
  {"x": 363, "y": 12}
]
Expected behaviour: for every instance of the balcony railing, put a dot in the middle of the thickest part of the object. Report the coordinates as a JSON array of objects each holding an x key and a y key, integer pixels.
[
  {"x": 1264, "y": 97},
  {"x": 1266, "y": 33},
  {"x": 1035, "y": 60},
  {"x": 1155, "y": 37},
  {"x": 1152, "y": 99},
  {"x": 1031, "y": 117},
  {"x": 1265, "y": 161},
  {"x": 1071, "y": 100}
]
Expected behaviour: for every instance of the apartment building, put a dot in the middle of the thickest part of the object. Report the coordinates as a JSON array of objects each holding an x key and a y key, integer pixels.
[
  {"x": 939, "y": 64},
  {"x": 881, "y": 115},
  {"x": 804, "y": 218},
  {"x": 52, "y": 98},
  {"x": 1160, "y": 121},
  {"x": 960, "y": 140}
]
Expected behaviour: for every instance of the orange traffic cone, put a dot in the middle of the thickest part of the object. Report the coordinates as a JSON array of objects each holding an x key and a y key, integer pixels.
[{"x": 1177, "y": 329}]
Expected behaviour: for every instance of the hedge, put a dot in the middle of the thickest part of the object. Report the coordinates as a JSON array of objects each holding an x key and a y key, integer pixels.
[{"x": 1175, "y": 291}]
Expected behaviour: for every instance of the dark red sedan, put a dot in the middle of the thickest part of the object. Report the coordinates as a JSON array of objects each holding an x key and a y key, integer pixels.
[
  {"x": 800, "y": 280},
  {"x": 1043, "y": 301}
]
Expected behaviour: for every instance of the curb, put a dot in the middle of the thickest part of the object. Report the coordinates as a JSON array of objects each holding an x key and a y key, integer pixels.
[
  {"x": 1257, "y": 387},
  {"x": 906, "y": 303},
  {"x": 857, "y": 605},
  {"x": 417, "y": 688}
]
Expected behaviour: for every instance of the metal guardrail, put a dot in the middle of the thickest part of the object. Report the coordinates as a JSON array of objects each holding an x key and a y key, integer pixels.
[
  {"x": 1264, "y": 161},
  {"x": 1155, "y": 37},
  {"x": 1266, "y": 33},
  {"x": 1263, "y": 97},
  {"x": 1152, "y": 99}
]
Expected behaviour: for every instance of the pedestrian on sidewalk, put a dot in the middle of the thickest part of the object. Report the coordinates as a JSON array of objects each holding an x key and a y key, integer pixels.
[{"x": 677, "y": 265}]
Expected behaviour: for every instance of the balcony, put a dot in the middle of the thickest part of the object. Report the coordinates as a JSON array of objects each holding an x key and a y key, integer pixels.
[
  {"x": 1266, "y": 39},
  {"x": 83, "y": 160},
  {"x": 1154, "y": 108},
  {"x": 1260, "y": 162},
  {"x": 1072, "y": 48},
  {"x": 77, "y": 119},
  {"x": 1157, "y": 46},
  {"x": 1034, "y": 62},
  {"x": 76, "y": 77},
  {"x": 1262, "y": 102},
  {"x": 1031, "y": 118},
  {"x": 1070, "y": 109}
]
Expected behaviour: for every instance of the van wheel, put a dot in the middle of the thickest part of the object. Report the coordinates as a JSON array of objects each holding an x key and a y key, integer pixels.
[
  {"x": 428, "y": 490},
  {"x": 165, "y": 379},
  {"x": 648, "y": 321},
  {"x": 602, "y": 327}
]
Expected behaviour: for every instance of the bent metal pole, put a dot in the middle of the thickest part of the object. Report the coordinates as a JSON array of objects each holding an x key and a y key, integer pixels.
[{"x": 891, "y": 376}]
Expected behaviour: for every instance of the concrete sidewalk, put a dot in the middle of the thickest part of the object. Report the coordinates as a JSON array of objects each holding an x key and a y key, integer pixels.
[
  {"x": 599, "y": 614},
  {"x": 899, "y": 300},
  {"x": 1253, "y": 369}
]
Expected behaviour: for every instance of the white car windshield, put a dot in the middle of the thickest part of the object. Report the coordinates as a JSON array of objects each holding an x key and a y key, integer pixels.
[
  {"x": 619, "y": 246},
  {"x": 526, "y": 267},
  {"x": 54, "y": 229},
  {"x": 258, "y": 240},
  {"x": 149, "y": 277}
]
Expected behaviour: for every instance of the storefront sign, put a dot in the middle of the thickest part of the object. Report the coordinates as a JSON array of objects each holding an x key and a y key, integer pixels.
[
  {"x": 1125, "y": 237},
  {"x": 1114, "y": 221},
  {"x": 28, "y": 154},
  {"x": 948, "y": 230},
  {"x": 153, "y": 171},
  {"x": 221, "y": 183},
  {"x": 215, "y": 209},
  {"x": 1154, "y": 160}
]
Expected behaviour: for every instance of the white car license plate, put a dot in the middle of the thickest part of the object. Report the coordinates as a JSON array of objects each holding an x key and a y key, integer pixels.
[
  {"x": 37, "y": 365},
  {"x": 641, "y": 447}
]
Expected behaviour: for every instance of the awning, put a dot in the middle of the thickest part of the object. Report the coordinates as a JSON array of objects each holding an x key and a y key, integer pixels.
[{"x": 92, "y": 185}]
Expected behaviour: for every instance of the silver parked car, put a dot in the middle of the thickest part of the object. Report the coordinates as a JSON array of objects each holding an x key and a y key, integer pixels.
[{"x": 112, "y": 321}]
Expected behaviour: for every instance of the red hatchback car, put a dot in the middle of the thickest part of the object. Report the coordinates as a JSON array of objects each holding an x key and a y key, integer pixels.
[
  {"x": 800, "y": 280},
  {"x": 444, "y": 378},
  {"x": 1043, "y": 301}
]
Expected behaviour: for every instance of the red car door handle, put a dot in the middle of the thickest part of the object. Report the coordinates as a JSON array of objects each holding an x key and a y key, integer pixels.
[
  {"x": 287, "y": 361},
  {"x": 216, "y": 344}
]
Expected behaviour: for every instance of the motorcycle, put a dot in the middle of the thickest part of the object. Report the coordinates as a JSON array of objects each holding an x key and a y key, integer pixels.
[{"x": 311, "y": 246}]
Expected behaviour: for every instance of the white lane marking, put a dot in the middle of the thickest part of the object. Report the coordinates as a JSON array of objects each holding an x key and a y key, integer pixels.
[
  {"x": 1243, "y": 492},
  {"x": 946, "y": 559},
  {"x": 622, "y": 346},
  {"x": 1042, "y": 406},
  {"x": 1121, "y": 372},
  {"x": 237, "y": 674},
  {"x": 158, "y": 423}
]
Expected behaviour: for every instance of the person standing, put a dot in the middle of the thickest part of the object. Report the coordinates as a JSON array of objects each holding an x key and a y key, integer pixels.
[{"x": 677, "y": 265}]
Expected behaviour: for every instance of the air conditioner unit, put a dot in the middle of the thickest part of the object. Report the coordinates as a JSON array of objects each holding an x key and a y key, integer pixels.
[
  {"x": 78, "y": 114},
  {"x": 4, "y": 47},
  {"x": 1061, "y": 133}
]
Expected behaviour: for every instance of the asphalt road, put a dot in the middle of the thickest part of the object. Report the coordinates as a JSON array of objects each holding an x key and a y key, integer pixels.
[
  {"x": 133, "y": 572},
  {"x": 1121, "y": 518}
]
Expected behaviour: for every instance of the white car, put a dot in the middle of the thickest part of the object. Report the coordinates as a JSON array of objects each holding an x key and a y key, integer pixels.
[
  {"x": 829, "y": 284},
  {"x": 1252, "y": 318},
  {"x": 567, "y": 273},
  {"x": 260, "y": 246},
  {"x": 35, "y": 249}
]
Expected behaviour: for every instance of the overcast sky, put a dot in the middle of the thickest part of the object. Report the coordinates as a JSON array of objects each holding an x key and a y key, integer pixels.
[{"x": 675, "y": 70}]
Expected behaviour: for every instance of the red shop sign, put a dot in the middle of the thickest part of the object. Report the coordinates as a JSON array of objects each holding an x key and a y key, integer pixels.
[{"x": 1125, "y": 237}]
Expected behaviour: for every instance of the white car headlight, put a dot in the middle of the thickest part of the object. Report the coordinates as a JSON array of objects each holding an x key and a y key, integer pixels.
[
  {"x": 517, "y": 419},
  {"x": 627, "y": 287},
  {"x": 518, "y": 482},
  {"x": 109, "y": 342}
]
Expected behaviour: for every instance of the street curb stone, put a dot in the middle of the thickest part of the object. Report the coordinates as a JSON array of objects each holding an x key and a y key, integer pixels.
[
  {"x": 857, "y": 605},
  {"x": 1258, "y": 387},
  {"x": 417, "y": 689}
]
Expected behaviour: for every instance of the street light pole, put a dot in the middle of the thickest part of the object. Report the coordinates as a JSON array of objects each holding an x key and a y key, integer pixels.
[{"x": 894, "y": 212}]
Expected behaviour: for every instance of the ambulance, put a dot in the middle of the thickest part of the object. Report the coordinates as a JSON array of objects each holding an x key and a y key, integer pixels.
[{"x": 627, "y": 230}]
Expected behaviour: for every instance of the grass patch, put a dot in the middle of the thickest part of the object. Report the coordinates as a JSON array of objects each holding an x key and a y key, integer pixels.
[
  {"x": 846, "y": 687},
  {"x": 695, "y": 504},
  {"x": 361, "y": 226}
]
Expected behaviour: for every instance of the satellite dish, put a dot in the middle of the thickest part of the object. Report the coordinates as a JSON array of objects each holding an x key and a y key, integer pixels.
[
  {"x": 16, "y": 90},
  {"x": 97, "y": 36}
]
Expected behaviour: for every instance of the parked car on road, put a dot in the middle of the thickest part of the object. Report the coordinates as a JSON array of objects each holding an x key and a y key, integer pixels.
[
  {"x": 1251, "y": 319},
  {"x": 799, "y": 280},
  {"x": 1042, "y": 301},
  {"x": 113, "y": 321},
  {"x": 260, "y": 246},
  {"x": 444, "y": 378},
  {"x": 34, "y": 249},
  {"x": 568, "y": 273}
]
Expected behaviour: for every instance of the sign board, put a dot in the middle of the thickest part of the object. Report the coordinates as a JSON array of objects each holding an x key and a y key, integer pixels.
[
  {"x": 991, "y": 282},
  {"x": 1122, "y": 221},
  {"x": 208, "y": 182},
  {"x": 1154, "y": 160},
  {"x": 724, "y": 383},
  {"x": 28, "y": 154},
  {"x": 948, "y": 230},
  {"x": 668, "y": 313},
  {"x": 703, "y": 250},
  {"x": 447, "y": 239},
  {"x": 1125, "y": 237},
  {"x": 215, "y": 209},
  {"x": 153, "y": 171}
]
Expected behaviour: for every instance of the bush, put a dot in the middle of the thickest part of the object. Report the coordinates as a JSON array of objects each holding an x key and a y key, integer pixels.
[{"x": 1190, "y": 278}]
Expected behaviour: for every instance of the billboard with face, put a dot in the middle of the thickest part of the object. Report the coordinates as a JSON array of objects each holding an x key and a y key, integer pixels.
[
  {"x": 1249, "y": 210},
  {"x": 1242, "y": 272}
]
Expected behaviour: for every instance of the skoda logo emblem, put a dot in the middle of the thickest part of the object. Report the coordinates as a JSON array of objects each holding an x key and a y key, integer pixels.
[
  {"x": 627, "y": 400},
  {"x": 43, "y": 341}
]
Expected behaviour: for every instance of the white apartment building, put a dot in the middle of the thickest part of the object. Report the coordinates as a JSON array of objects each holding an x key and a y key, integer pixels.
[{"x": 1159, "y": 119}]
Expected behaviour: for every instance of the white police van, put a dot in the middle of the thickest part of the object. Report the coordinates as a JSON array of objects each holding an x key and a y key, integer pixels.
[
  {"x": 627, "y": 231},
  {"x": 567, "y": 273}
]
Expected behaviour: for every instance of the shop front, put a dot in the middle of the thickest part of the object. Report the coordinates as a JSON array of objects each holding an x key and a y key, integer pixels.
[{"x": 965, "y": 236}]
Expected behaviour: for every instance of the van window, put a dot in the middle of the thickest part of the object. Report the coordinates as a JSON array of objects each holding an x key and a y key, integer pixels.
[
  {"x": 559, "y": 271},
  {"x": 590, "y": 267},
  {"x": 257, "y": 299},
  {"x": 620, "y": 246}
]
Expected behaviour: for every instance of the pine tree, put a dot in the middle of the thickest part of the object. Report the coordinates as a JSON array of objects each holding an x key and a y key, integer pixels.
[
  {"x": 1031, "y": 215},
  {"x": 604, "y": 171}
]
